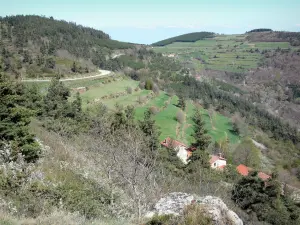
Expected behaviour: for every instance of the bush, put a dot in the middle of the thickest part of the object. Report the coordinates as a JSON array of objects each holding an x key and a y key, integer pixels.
[
  {"x": 142, "y": 99},
  {"x": 142, "y": 85},
  {"x": 192, "y": 215},
  {"x": 149, "y": 85},
  {"x": 155, "y": 89},
  {"x": 129, "y": 90},
  {"x": 154, "y": 110},
  {"x": 180, "y": 116}
]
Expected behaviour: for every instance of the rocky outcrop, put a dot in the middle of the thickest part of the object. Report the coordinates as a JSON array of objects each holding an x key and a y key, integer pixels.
[{"x": 174, "y": 204}]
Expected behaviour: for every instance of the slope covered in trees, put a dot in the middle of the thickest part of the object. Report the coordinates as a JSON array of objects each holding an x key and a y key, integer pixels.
[
  {"x": 260, "y": 30},
  {"x": 191, "y": 37},
  {"x": 55, "y": 47}
]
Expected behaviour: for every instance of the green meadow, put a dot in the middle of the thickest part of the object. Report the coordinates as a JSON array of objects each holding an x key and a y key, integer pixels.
[{"x": 232, "y": 53}]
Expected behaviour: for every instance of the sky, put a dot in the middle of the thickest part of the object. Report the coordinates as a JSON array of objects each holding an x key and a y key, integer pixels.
[{"x": 148, "y": 21}]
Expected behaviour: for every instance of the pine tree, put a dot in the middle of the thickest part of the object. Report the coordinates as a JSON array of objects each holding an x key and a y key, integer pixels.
[
  {"x": 56, "y": 100},
  {"x": 199, "y": 158},
  {"x": 202, "y": 140},
  {"x": 15, "y": 119},
  {"x": 181, "y": 102},
  {"x": 150, "y": 129},
  {"x": 74, "y": 67},
  {"x": 77, "y": 105}
]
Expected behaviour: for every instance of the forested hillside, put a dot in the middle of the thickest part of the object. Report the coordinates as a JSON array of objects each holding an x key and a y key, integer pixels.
[
  {"x": 32, "y": 46},
  {"x": 191, "y": 37}
]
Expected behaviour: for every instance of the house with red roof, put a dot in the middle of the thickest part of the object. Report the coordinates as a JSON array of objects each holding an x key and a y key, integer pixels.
[
  {"x": 183, "y": 151},
  {"x": 217, "y": 162},
  {"x": 244, "y": 171}
]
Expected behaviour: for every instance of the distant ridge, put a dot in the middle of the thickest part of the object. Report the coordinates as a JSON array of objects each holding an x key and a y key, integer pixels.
[
  {"x": 260, "y": 30},
  {"x": 190, "y": 37}
]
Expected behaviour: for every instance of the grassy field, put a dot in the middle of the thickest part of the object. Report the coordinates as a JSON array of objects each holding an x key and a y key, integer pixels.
[
  {"x": 231, "y": 53},
  {"x": 219, "y": 126}
]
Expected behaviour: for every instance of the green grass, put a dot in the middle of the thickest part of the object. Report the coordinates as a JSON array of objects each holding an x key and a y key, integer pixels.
[
  {"x": 107, "y": 89},
  {"x": 226, "y": 48},
  {"x": 220, "y": 129},
  {"x": 169, "y": 127},
  {"x": 126, "y": 100}
]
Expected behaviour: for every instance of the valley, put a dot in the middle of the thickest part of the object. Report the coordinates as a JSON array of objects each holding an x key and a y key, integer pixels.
[{"x": 95, "y": 131}]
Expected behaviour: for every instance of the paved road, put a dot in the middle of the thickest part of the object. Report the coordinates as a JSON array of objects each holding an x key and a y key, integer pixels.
[{"x": 102, "y": 73}]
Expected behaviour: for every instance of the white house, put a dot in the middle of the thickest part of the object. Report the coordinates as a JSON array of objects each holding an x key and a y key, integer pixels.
[
  {"x": 217, "y": 162},
  {"x": 183, "y": 152}
]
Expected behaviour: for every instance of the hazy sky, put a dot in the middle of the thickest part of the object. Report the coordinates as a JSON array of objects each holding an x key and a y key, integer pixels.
[{"x": 147, "y": 21}]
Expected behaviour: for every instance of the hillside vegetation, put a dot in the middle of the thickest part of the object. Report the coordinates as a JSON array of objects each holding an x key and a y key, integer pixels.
[
  {"x": 260, "y": 30},
  {"x": 191, "y": 37},
  {"x": 55, "y": 47},
  {"x": 89, "y": 151}
]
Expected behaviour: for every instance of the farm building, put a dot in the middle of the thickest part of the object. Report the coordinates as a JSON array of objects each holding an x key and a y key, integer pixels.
[
  {"x": 244, "y": 171},
  {"x": 183, "y": 152},
  {"x": 217, "y": 162}
]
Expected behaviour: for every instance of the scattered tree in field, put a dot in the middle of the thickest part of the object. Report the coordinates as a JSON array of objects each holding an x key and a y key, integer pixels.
[
  {"x": 181, "y": 102},
  {"x": 50, "y": 63},
  {"x": 141, "y": 99},
  {"x": 74, "y": 68},
  {"x": 14, "y": 121},
  {"x": 129, "y": 90},
  {"x": 154, "y": 110},
  {"x": 148, "y": 84},
  {"x": 180, "y": 116},
  {"x": 155, "y": 89}
]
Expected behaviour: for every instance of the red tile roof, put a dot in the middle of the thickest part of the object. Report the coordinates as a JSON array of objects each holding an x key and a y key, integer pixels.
[
  {"x": 169, "y": 143},
  {"x": 215, "y": 158},
  {"x": 244, "y": 170},
  {"x": 263, "y": 176}
]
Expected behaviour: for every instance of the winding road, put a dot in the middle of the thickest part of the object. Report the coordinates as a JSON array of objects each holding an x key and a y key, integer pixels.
[{"x": 102, "y": 73}]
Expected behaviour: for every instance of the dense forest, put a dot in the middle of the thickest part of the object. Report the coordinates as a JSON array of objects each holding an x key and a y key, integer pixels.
[{"x": 191, "y": 37}]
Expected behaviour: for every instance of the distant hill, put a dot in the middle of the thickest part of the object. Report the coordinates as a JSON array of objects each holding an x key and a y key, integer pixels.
[
  {"x": 35, "y": 45},
  {"x": 260, "y": 30},
  {"x": 190, "y": 37},
  {"x": 274, "y": 36}
]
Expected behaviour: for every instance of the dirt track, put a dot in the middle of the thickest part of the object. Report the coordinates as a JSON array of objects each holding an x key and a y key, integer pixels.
[{"x": 101, "y": 73}]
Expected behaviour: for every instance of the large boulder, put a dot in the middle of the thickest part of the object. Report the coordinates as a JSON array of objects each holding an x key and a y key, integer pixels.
[{"x": 174, "y": 204}]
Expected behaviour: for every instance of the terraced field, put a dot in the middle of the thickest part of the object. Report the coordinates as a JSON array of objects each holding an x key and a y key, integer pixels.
[{"x": 231, "y": 53}]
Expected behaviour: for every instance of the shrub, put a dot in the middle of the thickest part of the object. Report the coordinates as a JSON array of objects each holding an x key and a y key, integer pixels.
[
  {"x": 148, "y": 84},
  {"x": 154, "y": 110},
  {"x": 155, "y": 89},
  {"x": 142, "y": 85},
  {"x": 195, "y": 215},
  {"x": 141, "y": 99},
  {"x": 180, "y": 116},
  {"x": 192, "y": 215},
  {"x": 129, "y": 90}
]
